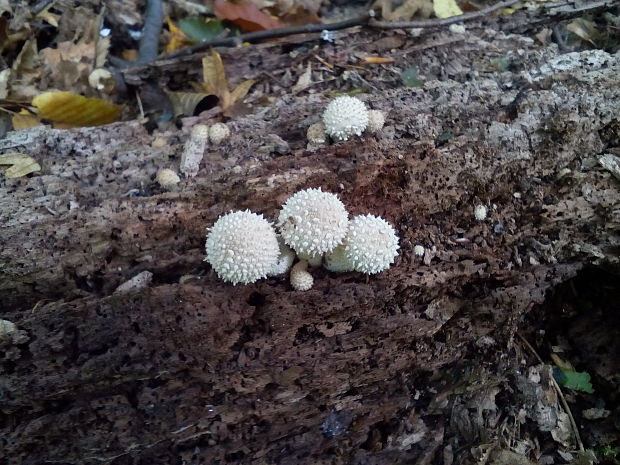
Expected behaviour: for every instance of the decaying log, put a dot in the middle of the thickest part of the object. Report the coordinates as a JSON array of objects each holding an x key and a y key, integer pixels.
[{"x": 356, "y": 370}]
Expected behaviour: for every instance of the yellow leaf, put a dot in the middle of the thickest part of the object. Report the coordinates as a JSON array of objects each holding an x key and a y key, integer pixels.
[
  {"x": 214, "y": 75},
  {"x": 178, "y": 39},
  {"x": 21, "y": 164},
  {"x": 24, "y": 120},
  {"x": 68, "y": 108},
  {"x": 446, "y": 8},
  {"x": 184, "y": 103},
  {"x": 241, "y": 91}
]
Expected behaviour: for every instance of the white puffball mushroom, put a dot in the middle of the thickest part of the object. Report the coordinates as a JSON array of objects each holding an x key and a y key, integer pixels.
[
  {"x": 344, "y": 117},
  {"x": 167, "y": 178},
  {"x": 313, "y": 222},
  {"x": 301, "y": 280},
  {"x": 194, "y": 150},
  {"x": 218, "y": 133},
  {"x": 285, "y": 259},
  {"x": 371, "y": 244},
  {"x": 418, "y": 250},
  {"x": 10, "y": 334},
  {"x": 242, "y": 247},
  {"x": 480, "y": 212},
  {"x": 376, "y": 120},
  {"x": 336, "y": 261},
  {"x": 316, "y": 134},
  {"x": 102, "y": 79}
]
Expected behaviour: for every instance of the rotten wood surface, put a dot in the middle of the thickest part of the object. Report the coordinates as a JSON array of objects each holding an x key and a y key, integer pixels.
[{"x": 358, "y": 369}]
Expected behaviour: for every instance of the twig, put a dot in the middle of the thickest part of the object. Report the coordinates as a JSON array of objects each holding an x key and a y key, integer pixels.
[
  {"x": 559, "y": 391},
  {"x": 431, "y": 23},
  {"x": 149, "y": 42},
  {"x": 269, "y": 34},
  {"x": 40, "y": 6}
]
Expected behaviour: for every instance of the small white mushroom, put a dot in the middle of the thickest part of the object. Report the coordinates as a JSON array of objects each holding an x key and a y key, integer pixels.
[
  {"x": 371, "y": 244},
  {"x": 480, "y": 212},
  {"x": 167, "y": 178},
  {"x": 285, "y": 259},
  {"x": 301, "y": 280},
  {"x": 313, "y": 222},
  {"x": 218, "y": 133},
  {"x": 242, "y": 247},
  {"x": 344, "y": 117},
  {"x": 376, "y": 120},
  {"x": 418, "y": 250}
]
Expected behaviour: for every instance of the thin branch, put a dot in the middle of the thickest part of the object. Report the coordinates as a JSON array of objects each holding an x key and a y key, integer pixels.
[
  {"x": 268, "y": 34},
  {"x": 559, "y": 391},
  {"x": 149, "y": 42},
  {"x": 432, "y": 23}
]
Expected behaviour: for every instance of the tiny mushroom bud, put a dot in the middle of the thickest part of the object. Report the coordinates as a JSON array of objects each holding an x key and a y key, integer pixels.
[
  {"x": 345, "y": 117},
  {"x": 480, "y": 212},
  {"x": 194, "y": 150},
  {"x": 418, "y": 250},
  {"x": 167, "y": 178},
  {"x": 218, "y": 133},
  {"x": 376, "y": 120},
  {"x": 301, "y": 280},
  {"x": 242, "y": 247}
]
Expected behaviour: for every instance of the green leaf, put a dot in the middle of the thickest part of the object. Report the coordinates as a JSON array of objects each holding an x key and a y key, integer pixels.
[
  {"x": 201, "y": 29},
  {"x": 577, "y": 381},
  {"x": 410, "y": 77}
]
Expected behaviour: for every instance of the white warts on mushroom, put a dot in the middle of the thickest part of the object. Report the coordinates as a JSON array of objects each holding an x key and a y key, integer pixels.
[
  {"x": 345, "y": 117},
  {"x": 242, "y": 247},
  {"x": 313, "y": 222}
]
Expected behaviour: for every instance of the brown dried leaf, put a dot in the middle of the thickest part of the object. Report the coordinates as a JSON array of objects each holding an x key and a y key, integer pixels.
[
  {"x": 21, "y": 164},
  {"x": 241, "y": 91},
  {"x": 72, "y": 109},
  {"x": 245, "y": 15},
  {"x": 26, "y": 69},
  {"x": 24, "y": 120},
  {"x": 214, "y": 75},
  {"x": 184, "y": 103}
]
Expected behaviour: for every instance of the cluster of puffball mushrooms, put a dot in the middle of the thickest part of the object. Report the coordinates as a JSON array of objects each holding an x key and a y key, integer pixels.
[{"x": 314, "y": 226}]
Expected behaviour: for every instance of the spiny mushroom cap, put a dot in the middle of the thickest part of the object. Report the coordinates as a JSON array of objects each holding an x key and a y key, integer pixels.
[
  {"x": 313, "y": 222},
  {"x": 218, "y": 133},
  {"x": 376, "y": 120},
  {"x": 242, "y": 247},
  {"x": 371, "y": 244},
  {"x": 345, "y": 117}
]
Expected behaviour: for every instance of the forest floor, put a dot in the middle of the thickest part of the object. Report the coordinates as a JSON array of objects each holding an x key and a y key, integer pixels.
[{"x": 499, "y": 345}]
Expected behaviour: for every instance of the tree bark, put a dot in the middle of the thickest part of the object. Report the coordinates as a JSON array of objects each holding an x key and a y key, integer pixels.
[{"x": 356, "y": 370}]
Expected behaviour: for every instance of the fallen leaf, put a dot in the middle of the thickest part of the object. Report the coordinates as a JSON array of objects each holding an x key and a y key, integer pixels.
[
  {"x": 216, "y": 83},
  {"x": 21, "y": 164},
  {"x": 26, "y": 69},
  {"x": 185, "y": 103},
  {"x": 178, "y": 39},
  {"x": 406, "y": 11},
  {"x": 24, "y": 120},
  {"x": 378, "y": 60},
  {"x": 73, "y": 109},
  {"x": 199, "y": 29},
  {"x": 245, "y": 15},
  {"x": 446, "y": 8},
  {"x": 304, "y": 81},
  {"x": 584, "y": 29}
]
